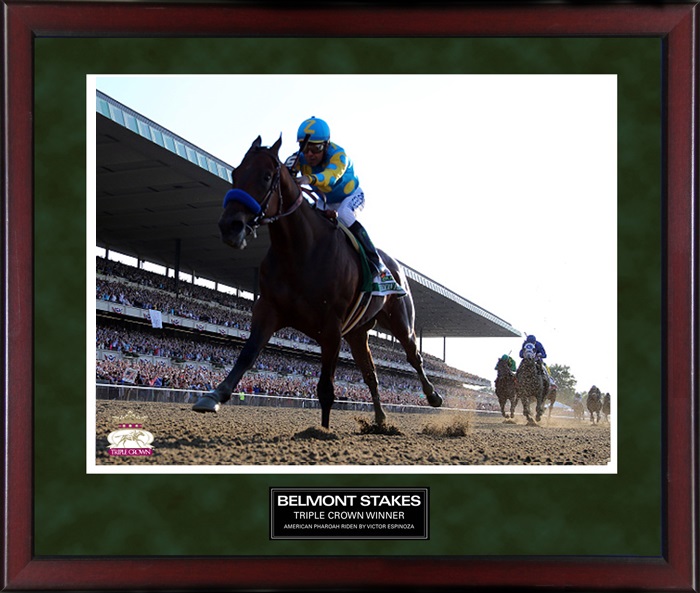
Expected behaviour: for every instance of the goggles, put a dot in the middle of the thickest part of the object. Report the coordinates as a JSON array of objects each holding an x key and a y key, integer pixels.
[{"x": 313, "y": 147}]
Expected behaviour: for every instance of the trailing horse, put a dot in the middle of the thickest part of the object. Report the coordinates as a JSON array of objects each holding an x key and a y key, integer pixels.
[
  {"x": 505, "y": 387},
  {"x": 530, "y": 383},
  {"x": 606, "y": 407},
  {"x": 578, "y": 408},
  {"x": 310, "y": 280},
  {"x": 594, "y": 403}
]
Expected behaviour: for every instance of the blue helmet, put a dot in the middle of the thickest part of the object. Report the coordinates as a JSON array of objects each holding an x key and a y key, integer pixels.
[
  {"x": 317, "y": 129},
  {"x": 532, "y": 339}
]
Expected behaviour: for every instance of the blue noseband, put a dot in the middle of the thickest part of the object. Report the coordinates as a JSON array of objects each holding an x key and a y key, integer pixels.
[{"x": 242, "y": 197}]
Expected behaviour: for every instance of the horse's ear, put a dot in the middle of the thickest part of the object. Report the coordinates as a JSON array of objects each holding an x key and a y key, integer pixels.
[
  {"x": 276, "y": 146},
  {"x": 256, "y": 143}
]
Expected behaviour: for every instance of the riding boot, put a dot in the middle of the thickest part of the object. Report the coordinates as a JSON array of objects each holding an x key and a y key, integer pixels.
[
  {"x": 362, "y": 237},
  {"x": 386, "y": 283}
]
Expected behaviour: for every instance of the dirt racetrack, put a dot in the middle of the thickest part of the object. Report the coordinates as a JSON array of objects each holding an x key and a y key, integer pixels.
[{"x": 242, "y": 435}]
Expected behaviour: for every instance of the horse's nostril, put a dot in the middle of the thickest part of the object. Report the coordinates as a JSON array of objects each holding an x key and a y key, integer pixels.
[{"x": 229, "y": 228}]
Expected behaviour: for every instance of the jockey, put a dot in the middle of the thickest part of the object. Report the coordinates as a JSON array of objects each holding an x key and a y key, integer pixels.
[
  {"x": 510, "y": 361},
  {"x": 531, "y": 347},
  {"x": 326, "y": 167}
]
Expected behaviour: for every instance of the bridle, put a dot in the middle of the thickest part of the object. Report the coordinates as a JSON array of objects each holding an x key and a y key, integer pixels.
[{"x": 260, "y": 208}]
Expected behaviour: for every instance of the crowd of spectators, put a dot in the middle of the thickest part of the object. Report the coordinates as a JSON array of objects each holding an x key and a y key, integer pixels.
[
  {"x": 128, "y": 285},
  {"x": 178, "y": 366},
  {"x": 275, "y": 372}
]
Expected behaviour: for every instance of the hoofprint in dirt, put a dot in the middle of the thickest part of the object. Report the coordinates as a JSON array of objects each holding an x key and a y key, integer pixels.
[{"x": 240, "y": 435}]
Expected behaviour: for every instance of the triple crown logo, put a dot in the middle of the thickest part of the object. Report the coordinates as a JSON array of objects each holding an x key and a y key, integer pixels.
[{"x": 130, "y": 439}]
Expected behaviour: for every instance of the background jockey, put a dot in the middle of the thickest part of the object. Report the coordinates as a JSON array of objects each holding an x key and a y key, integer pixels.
[
  {"x": 511, "y": 363},
  {"x": 327, "y": 168},
  {"x": 532, "y": 345}
]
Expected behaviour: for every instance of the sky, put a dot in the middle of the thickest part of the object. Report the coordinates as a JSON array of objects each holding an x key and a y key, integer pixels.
[{"x": 502, "y": 188}]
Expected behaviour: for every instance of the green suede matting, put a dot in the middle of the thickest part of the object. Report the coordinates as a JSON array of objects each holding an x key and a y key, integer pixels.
[{"x": 79, "y": 514}]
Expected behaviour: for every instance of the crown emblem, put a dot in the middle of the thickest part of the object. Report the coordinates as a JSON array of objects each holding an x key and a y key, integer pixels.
[
  {"x": 130, "y": 439},
  {"x": 130, "y": 420}
]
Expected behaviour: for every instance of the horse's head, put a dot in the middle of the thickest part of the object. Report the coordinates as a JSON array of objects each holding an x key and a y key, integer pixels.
[
  {"x": 255, "y": 186},
  {"x": 528, "y": 364},
  {"x": 594, "y": 392},
  {"x": 502, "y": 365},
  {"x": 529, "y": 352}
]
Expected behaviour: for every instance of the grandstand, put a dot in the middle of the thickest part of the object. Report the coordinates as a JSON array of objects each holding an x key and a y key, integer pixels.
[
  {"x": 157, "y": 200},
  {"x": 203, "y": 331}
]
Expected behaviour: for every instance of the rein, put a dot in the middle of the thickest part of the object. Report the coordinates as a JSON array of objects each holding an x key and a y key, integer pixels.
[{"x": 260, "y": 208}]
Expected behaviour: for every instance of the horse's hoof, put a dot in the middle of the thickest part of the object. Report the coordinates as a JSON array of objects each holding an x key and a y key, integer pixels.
[
  {"x": 207, "y": 403},
  {"x": 435, "y": 400}
]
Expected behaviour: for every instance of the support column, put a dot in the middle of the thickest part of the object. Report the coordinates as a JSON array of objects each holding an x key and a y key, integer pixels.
[{"x": 178, "y": 251}]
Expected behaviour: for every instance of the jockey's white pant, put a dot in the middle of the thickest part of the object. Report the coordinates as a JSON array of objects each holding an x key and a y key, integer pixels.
[{"x": 347, "y": 208}]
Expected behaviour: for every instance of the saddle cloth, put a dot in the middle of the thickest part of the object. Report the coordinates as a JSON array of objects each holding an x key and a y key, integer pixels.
[{"x": 366, "y": 285}]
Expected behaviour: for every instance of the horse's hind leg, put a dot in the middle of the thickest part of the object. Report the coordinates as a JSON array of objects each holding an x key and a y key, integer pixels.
[
  {"x": 416, "y": 361},
  {"x": 397, "y": 320},
  {"x": 361, "y": 354}
]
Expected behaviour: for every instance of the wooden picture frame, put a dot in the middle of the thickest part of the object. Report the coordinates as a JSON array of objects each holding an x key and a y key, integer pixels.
[{"x": 674, "y": 569}]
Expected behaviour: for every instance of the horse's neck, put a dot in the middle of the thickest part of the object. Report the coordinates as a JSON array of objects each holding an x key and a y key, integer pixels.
[
  {"x": 504, "y": 372},
  {"x": 527, "y": 366},
  {"x": 294, "y": 232}
]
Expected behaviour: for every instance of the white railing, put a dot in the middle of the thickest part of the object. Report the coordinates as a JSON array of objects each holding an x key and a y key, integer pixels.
[{"x": 143, "y": 394}]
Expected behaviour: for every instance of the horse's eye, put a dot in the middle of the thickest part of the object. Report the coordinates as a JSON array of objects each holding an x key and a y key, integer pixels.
[{"x": 268, "y": 177}]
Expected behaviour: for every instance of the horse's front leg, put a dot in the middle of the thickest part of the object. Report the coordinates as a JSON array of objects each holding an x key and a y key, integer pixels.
[
  {"x": 330, "y": 348},
  {"x": 361, "y": 354},
  {"x": 526, "y": 409},
  {"x": 263, "y": 325}
]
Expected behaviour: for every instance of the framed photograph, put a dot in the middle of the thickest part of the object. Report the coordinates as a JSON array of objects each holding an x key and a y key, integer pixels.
[{"x": 74, "y": 518}]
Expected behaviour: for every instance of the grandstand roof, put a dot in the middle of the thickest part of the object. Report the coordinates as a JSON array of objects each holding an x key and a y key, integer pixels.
[{"x": 158, "y": 198}]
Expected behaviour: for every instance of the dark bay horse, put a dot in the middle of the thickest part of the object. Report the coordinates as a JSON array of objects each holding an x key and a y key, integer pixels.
[
  {"x": 505, "y": 387},
  {"x": 531, "y": 384},
  {"x": 309, "y": 280},
  {"x": 594, "y": 403}
]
